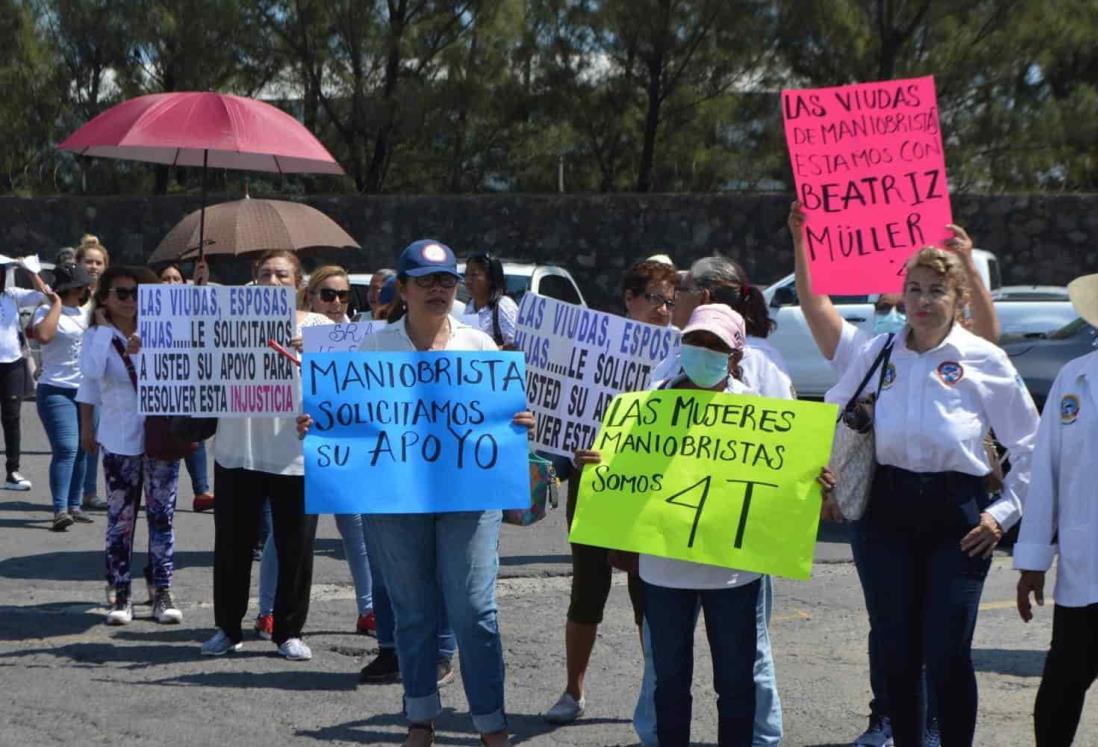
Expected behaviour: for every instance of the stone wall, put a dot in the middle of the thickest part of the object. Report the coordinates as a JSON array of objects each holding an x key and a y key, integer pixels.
[{"x": 1040, "y": 239}]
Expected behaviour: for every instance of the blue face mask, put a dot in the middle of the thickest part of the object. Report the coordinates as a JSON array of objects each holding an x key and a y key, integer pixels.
[
  {"x": 892, "y": 322},
  {"x": 704, "y": 367}
]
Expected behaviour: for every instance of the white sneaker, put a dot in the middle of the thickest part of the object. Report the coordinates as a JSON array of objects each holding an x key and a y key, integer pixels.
[
  {"x": 164, "y": 609},
  {"x": 220, "y": 644},
  {"x": 121, "y": 612},
  {"x": 16, "y": 481},
  {"x": 566, "y": 710},
  {"x": 295, "y": 649}
]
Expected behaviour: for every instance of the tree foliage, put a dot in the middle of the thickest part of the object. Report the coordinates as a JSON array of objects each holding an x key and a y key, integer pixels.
[{"x": 538, "y": 95}]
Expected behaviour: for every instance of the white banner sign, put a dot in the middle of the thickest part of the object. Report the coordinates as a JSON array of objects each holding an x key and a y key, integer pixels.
[
  {"x": 204, "y": 351},
  {"x": 337, "y": 338},
  {"x": 577, "y": 359}
]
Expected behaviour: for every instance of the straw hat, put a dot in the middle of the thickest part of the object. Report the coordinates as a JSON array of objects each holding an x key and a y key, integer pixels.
[{"x": 1083, "y": 292}]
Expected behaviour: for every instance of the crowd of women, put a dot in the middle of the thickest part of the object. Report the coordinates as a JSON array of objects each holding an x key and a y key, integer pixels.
[{"x": 960, "y": 451}]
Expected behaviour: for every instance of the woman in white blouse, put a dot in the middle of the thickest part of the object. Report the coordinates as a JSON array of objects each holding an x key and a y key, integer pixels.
[
  {"x": 496, "y": 313},
  {"x": 930, "y": 527},
  {"x": 110, "y": 383},
  {"x": 59, "y": 329},
  {"x": 1062, "y": 519}
]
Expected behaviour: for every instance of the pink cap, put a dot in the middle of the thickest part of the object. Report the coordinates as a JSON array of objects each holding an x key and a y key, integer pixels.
[{"x": 721, "y": 321}]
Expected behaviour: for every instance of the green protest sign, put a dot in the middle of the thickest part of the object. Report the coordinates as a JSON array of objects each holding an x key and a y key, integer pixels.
[{"x": 715, "y": 478}]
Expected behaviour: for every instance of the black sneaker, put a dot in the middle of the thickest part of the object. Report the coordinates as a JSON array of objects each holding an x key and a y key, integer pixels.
[
  {"x": 61, "y": 522},
  {"x": 16, "y": 481},
  {"x": 384, "y": 668},
  {"x": 80, "y": 517}
]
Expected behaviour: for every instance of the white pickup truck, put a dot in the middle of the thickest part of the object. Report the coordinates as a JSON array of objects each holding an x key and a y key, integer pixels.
[{"x": 812, "y": 374}]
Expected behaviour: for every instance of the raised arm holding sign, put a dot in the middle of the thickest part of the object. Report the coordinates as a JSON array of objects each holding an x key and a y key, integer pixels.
[{"x": 870, "y": 172}]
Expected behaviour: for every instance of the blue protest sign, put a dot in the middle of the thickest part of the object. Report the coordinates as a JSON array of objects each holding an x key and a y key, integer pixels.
[{"x": 414, "y": 432}]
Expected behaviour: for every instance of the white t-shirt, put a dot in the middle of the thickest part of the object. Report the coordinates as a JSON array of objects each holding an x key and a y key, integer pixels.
[
  {"x": 11, "y": 300},
  {"x": 682, "y": 574},
  {"x": 508, "y": 318},
  {"x": 61, "y": 355}
]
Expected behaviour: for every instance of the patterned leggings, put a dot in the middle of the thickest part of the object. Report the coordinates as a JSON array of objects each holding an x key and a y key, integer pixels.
[{"x": 125, "y": 476}]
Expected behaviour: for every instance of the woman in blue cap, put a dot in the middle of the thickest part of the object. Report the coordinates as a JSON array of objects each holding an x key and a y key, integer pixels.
[{"x": 458, "y": 550}]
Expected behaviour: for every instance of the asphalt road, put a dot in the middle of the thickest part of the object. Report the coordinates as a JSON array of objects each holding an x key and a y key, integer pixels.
[{"x": 67, "y": 678}]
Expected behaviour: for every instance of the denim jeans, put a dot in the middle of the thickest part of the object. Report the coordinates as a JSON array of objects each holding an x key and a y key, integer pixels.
[
  {"x": 354, "y": 547},
  {"x": 768, "y": 706},
  {"x": 730, "y": 620},
  {"x": 91, "y": 464},
  {"x": 926, "y": 592},
  {"x": 383, "y": 612},
  {"x": 60, "y": 415},
  {"x": 198, "y": 469},
  {"x": 459, "y": 554}
]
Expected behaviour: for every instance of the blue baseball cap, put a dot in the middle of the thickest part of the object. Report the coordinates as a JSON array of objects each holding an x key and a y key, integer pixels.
[{"x": 426, "y": 257}]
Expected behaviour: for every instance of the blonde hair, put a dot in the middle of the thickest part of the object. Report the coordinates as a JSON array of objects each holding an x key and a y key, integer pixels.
[
  {"x": 945, "y": 265},
  {"x": 87, "y": 242},
  {"x": 318, "y": 276}
]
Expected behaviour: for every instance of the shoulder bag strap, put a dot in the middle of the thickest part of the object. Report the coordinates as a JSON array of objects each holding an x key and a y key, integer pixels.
[
  {"x": 125, "y": 359},
  {"x": 496, "y": 331},
  {"x": 881, "y": 361}
]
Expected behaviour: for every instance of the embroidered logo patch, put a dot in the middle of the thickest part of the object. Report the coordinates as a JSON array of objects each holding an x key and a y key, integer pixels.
[
  {"x": 951, "y": 372},
  {"x": 1069, "y": 409},
  {"x": 889, "y": 376},
  {"x": 434, "y": 253}
]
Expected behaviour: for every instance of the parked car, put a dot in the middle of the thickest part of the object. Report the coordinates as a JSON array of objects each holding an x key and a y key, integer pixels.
[
  {"x": 546, "y": 280},
  {"x": 1039, "y": 358},
  {"x": 1018, "y": 311}
]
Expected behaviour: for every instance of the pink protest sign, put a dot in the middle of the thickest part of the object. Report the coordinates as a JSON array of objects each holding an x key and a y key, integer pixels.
[{"x": 870, "y": 172}]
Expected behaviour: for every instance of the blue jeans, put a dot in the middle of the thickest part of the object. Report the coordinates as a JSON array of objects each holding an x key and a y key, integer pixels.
[
  {"x": 926, "y": 593},
  {"x": 768, "y": 706},
  {"x": 383, "y": 612},
  {"x": 730, "y": 620},
  {"x": 354, "y": 547},
  {"x": 91, "y": 464},
  {"x": 198, "y": 470},
  {"x": 459, "y": 554},
  {"x": 60, "y": 415}
]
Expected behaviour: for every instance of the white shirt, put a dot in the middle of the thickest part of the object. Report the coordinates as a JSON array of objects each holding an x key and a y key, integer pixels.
[
  {"x": 936, "y": 407},
  {"x": 683, "y": 574},
  {"x": 61, "y": 355},
  {"x": 107, "y": 384},
  {"x": 394, "y": 338},
  {"x": 268, "y": 444},
  {"x": 508, "y": 318},
  {"x": 11, "y": 300},
  {"x": 851, "y": 340},
  {"x": 763, "y": 368},
  {"x": 1062, "y": 503}
]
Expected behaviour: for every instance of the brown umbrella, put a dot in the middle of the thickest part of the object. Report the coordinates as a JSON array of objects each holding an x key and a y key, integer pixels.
[{"x": 250, "y": 226}]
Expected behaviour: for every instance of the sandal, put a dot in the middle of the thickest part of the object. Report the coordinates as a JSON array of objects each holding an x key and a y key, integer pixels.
[{"x": 420, "y": 735}]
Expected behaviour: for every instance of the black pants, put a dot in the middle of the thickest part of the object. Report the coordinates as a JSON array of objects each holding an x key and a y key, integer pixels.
[
  {"x": 926, "y": 594},
  {"x": 240, "y": 495},
  {"x": 11, "y": 403},
  {"x": 591, "y": 572},
  {"x": 1070, "y": 668}
]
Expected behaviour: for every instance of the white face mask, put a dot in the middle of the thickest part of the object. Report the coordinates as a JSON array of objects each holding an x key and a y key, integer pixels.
[{"x": 703, "y": 366}]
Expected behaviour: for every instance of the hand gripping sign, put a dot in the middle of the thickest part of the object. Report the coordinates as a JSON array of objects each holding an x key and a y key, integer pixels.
[
  {"x": 870, "y": 173},
  {"x": 414, "y": 432},
  {"x": 722, "y": 479}
]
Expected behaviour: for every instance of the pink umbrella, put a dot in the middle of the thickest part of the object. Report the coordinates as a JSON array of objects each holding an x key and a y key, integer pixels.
[{"x": 204, "y": 129}]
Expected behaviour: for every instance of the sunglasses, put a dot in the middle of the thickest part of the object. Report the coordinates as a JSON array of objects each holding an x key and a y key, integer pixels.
[
  {"x": 124, "y": 294},
  {"x": 441, "y": 279},
  {"x": 657, "y": 300},
  {"x": 884, "y": 307},
  {"x": 327, "y": 295}
]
